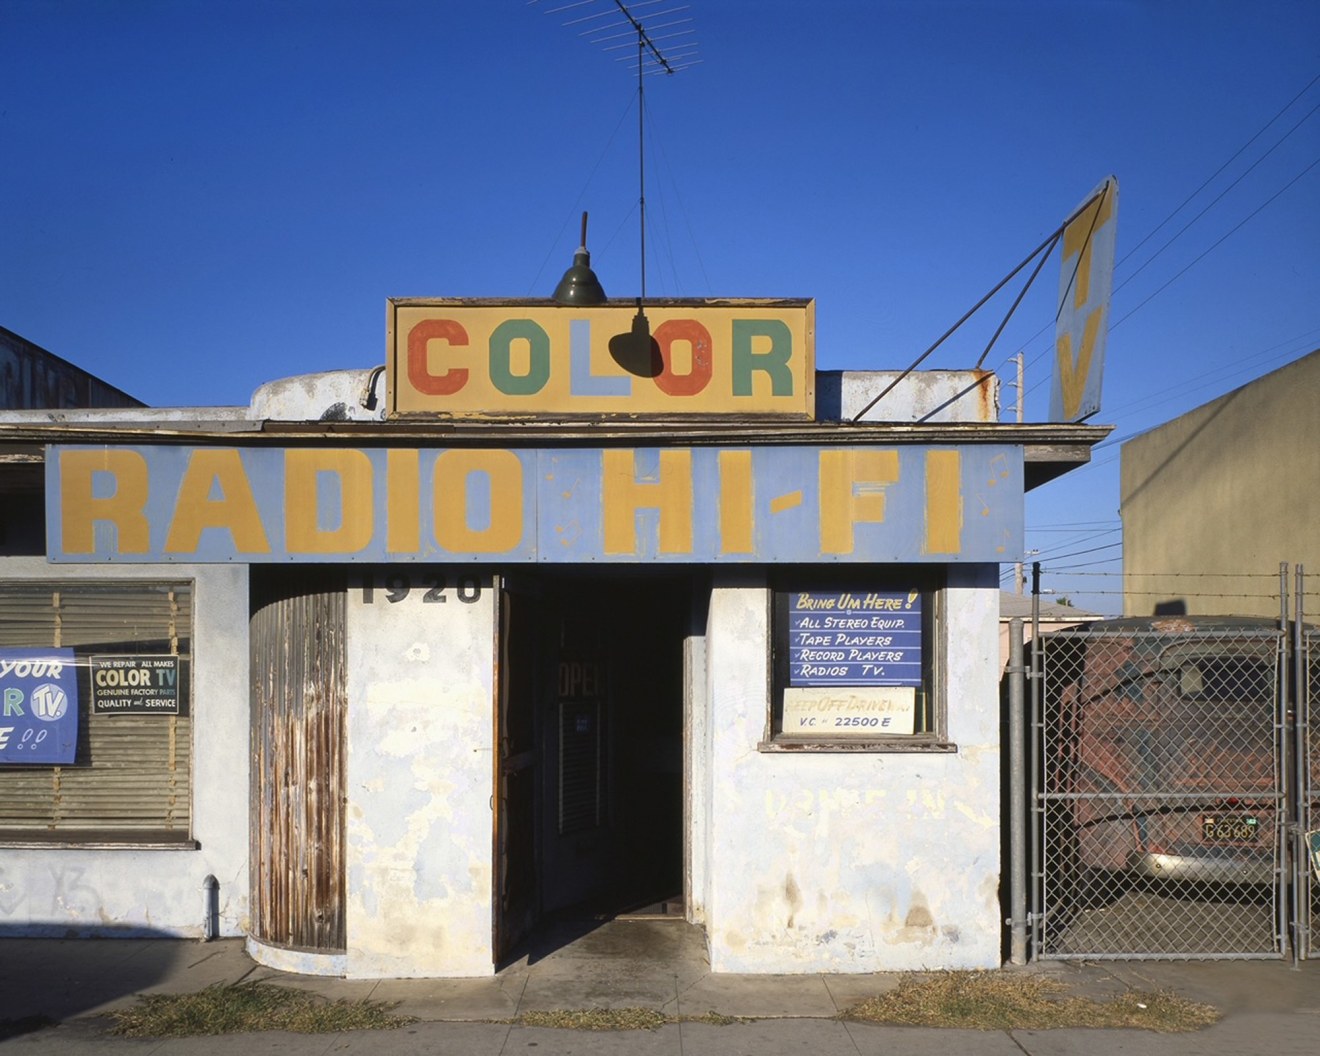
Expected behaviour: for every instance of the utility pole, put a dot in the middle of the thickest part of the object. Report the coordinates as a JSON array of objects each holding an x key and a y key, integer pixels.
[{"x": 1019, "y": 575}]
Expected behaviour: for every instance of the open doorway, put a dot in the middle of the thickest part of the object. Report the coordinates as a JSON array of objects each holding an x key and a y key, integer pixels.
[{"x": 589, "y": 824}]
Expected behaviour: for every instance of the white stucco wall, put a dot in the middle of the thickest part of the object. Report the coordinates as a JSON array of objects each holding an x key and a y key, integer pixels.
[
  {"x": 852, "y": 862},
  {"x": 696, "y": 807},
  {"x": 70, "y": 891},
  {"x": 419, "y": 822}
]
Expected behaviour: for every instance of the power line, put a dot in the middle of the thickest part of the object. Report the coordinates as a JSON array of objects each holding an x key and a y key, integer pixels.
[
  {"x": 1044, "y": 351},
  {"x": 1071, "y": 531},
  {"x": 1273, "y": 576},
  {"x": 1196, "y": 260},
  {"x": 1078, "y": 539},
  {"x": 1084, "y": 564},
  {"x": 1247, "y": 365},
  {"x": 1174, "y": 394},
  {"x": 1091, "y": 550},
  {"x": 1216, "y": 200},
  {"x": 1236, "y": 154},
  {"x": 1216, "y": 244},
  {"x": 1182, "y": 594}
]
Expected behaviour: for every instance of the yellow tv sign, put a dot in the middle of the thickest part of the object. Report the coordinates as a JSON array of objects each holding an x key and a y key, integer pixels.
[
  {"x": 1086, "y": 280},
  {"x": 469, "y": 359}
]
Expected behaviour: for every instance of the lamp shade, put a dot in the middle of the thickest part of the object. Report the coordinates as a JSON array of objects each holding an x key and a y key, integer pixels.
[{"x": 579, "y": 284}]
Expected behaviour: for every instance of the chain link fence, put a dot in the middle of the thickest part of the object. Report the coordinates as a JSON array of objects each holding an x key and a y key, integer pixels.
[
  {"x": 1160, "y": 774},
  {"x": 1308, "y": 777}
]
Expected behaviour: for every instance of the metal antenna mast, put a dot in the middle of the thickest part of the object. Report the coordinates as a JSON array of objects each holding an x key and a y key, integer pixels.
[
  {"x": 644, "y": 44},
  {"x": 641, "y": 136},
  {"x": 650, "y": 59}
]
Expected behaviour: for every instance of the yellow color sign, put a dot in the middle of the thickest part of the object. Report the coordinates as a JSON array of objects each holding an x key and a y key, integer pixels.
[{"x": 469, "y": 359}]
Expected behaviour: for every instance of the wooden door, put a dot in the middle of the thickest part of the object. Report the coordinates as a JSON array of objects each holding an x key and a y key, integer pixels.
[{"x": 516, "y": 772}]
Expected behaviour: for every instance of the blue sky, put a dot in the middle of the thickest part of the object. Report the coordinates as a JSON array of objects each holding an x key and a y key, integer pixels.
[{"x": 199, "y": 197}]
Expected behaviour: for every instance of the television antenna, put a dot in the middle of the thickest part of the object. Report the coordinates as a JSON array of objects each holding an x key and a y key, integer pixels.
[{"x": 613, "y": 26}]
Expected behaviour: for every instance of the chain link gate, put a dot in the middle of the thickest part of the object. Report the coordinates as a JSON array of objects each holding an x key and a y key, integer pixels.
[
  {"x": 1308, "y": 776},
  {"x": 1160, "y": 790}
]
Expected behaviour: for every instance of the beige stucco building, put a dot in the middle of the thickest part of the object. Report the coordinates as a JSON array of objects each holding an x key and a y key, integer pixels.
[{"x": 1214, "y": 501}]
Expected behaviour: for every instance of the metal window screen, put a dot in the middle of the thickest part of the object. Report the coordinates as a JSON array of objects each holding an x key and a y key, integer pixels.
[
  {"x": 131, "y": 779},
  {"x": 581, "y": 758}
]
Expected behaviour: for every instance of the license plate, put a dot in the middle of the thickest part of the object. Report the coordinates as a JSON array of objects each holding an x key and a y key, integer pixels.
[{"x": 1229, "y": 828}]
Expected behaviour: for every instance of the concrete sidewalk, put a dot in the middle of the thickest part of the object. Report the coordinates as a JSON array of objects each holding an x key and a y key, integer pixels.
[{"x": 56, "y": 993}]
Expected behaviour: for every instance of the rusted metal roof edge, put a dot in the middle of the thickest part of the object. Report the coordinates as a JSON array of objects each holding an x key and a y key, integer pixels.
[
  {"x": 558, "y": 433},
  {"x": 1048, "y": 450},
  {"x": 611, "y": 302}
]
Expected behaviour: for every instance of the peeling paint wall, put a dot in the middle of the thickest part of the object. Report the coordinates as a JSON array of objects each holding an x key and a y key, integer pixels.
[
  {"x": 696, "y": 807},
  {"x": 334, "y": 396},
  {"x": 420, "y": 692},
  {"x": 851, "y": 862},
  {"x": 70, "y": 891},
  {"x": 922, "y": 396}
]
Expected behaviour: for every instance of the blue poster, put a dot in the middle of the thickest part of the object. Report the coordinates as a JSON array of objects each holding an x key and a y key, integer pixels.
[
  {"x": 854, "y": 638},
  {"x": 38, "y": 706}
]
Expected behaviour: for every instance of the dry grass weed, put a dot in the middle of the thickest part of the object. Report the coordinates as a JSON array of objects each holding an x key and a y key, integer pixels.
[
  {"x": 1005, "y": 1001},
  {"x": 595, "y": 1019},
  {"x": 249, "y": 1007}
]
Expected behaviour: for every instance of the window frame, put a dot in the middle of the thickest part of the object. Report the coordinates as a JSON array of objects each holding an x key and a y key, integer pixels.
[
  {"x": 169, "y": 620},
  {"x": 931, "y": 583}
]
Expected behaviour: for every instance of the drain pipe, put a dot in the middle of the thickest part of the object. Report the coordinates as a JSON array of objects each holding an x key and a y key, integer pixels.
[
  {"x": 211, "y": 911},
  {"x": 1017, "y": 795}
]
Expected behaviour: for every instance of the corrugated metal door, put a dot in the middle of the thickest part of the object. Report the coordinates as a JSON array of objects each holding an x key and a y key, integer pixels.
[{"x": 298, "y": 721}]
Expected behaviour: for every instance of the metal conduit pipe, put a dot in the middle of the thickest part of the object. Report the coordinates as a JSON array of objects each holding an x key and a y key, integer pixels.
[
  {"x": 1017, "y": 795},
  {"x": 211, "y": 910}
]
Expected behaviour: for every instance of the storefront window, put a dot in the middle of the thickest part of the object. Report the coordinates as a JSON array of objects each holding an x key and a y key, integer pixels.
[
  {"x": 856, "y": 664},
  {"x": 95, "y": 713}
]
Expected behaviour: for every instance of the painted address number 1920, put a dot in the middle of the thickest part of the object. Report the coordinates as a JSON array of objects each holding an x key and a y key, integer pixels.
[{"x": 398, "y": 586}]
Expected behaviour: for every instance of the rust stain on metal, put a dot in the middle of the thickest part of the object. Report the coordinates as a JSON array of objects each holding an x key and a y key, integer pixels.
[{"x": 986, "y": 395}]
